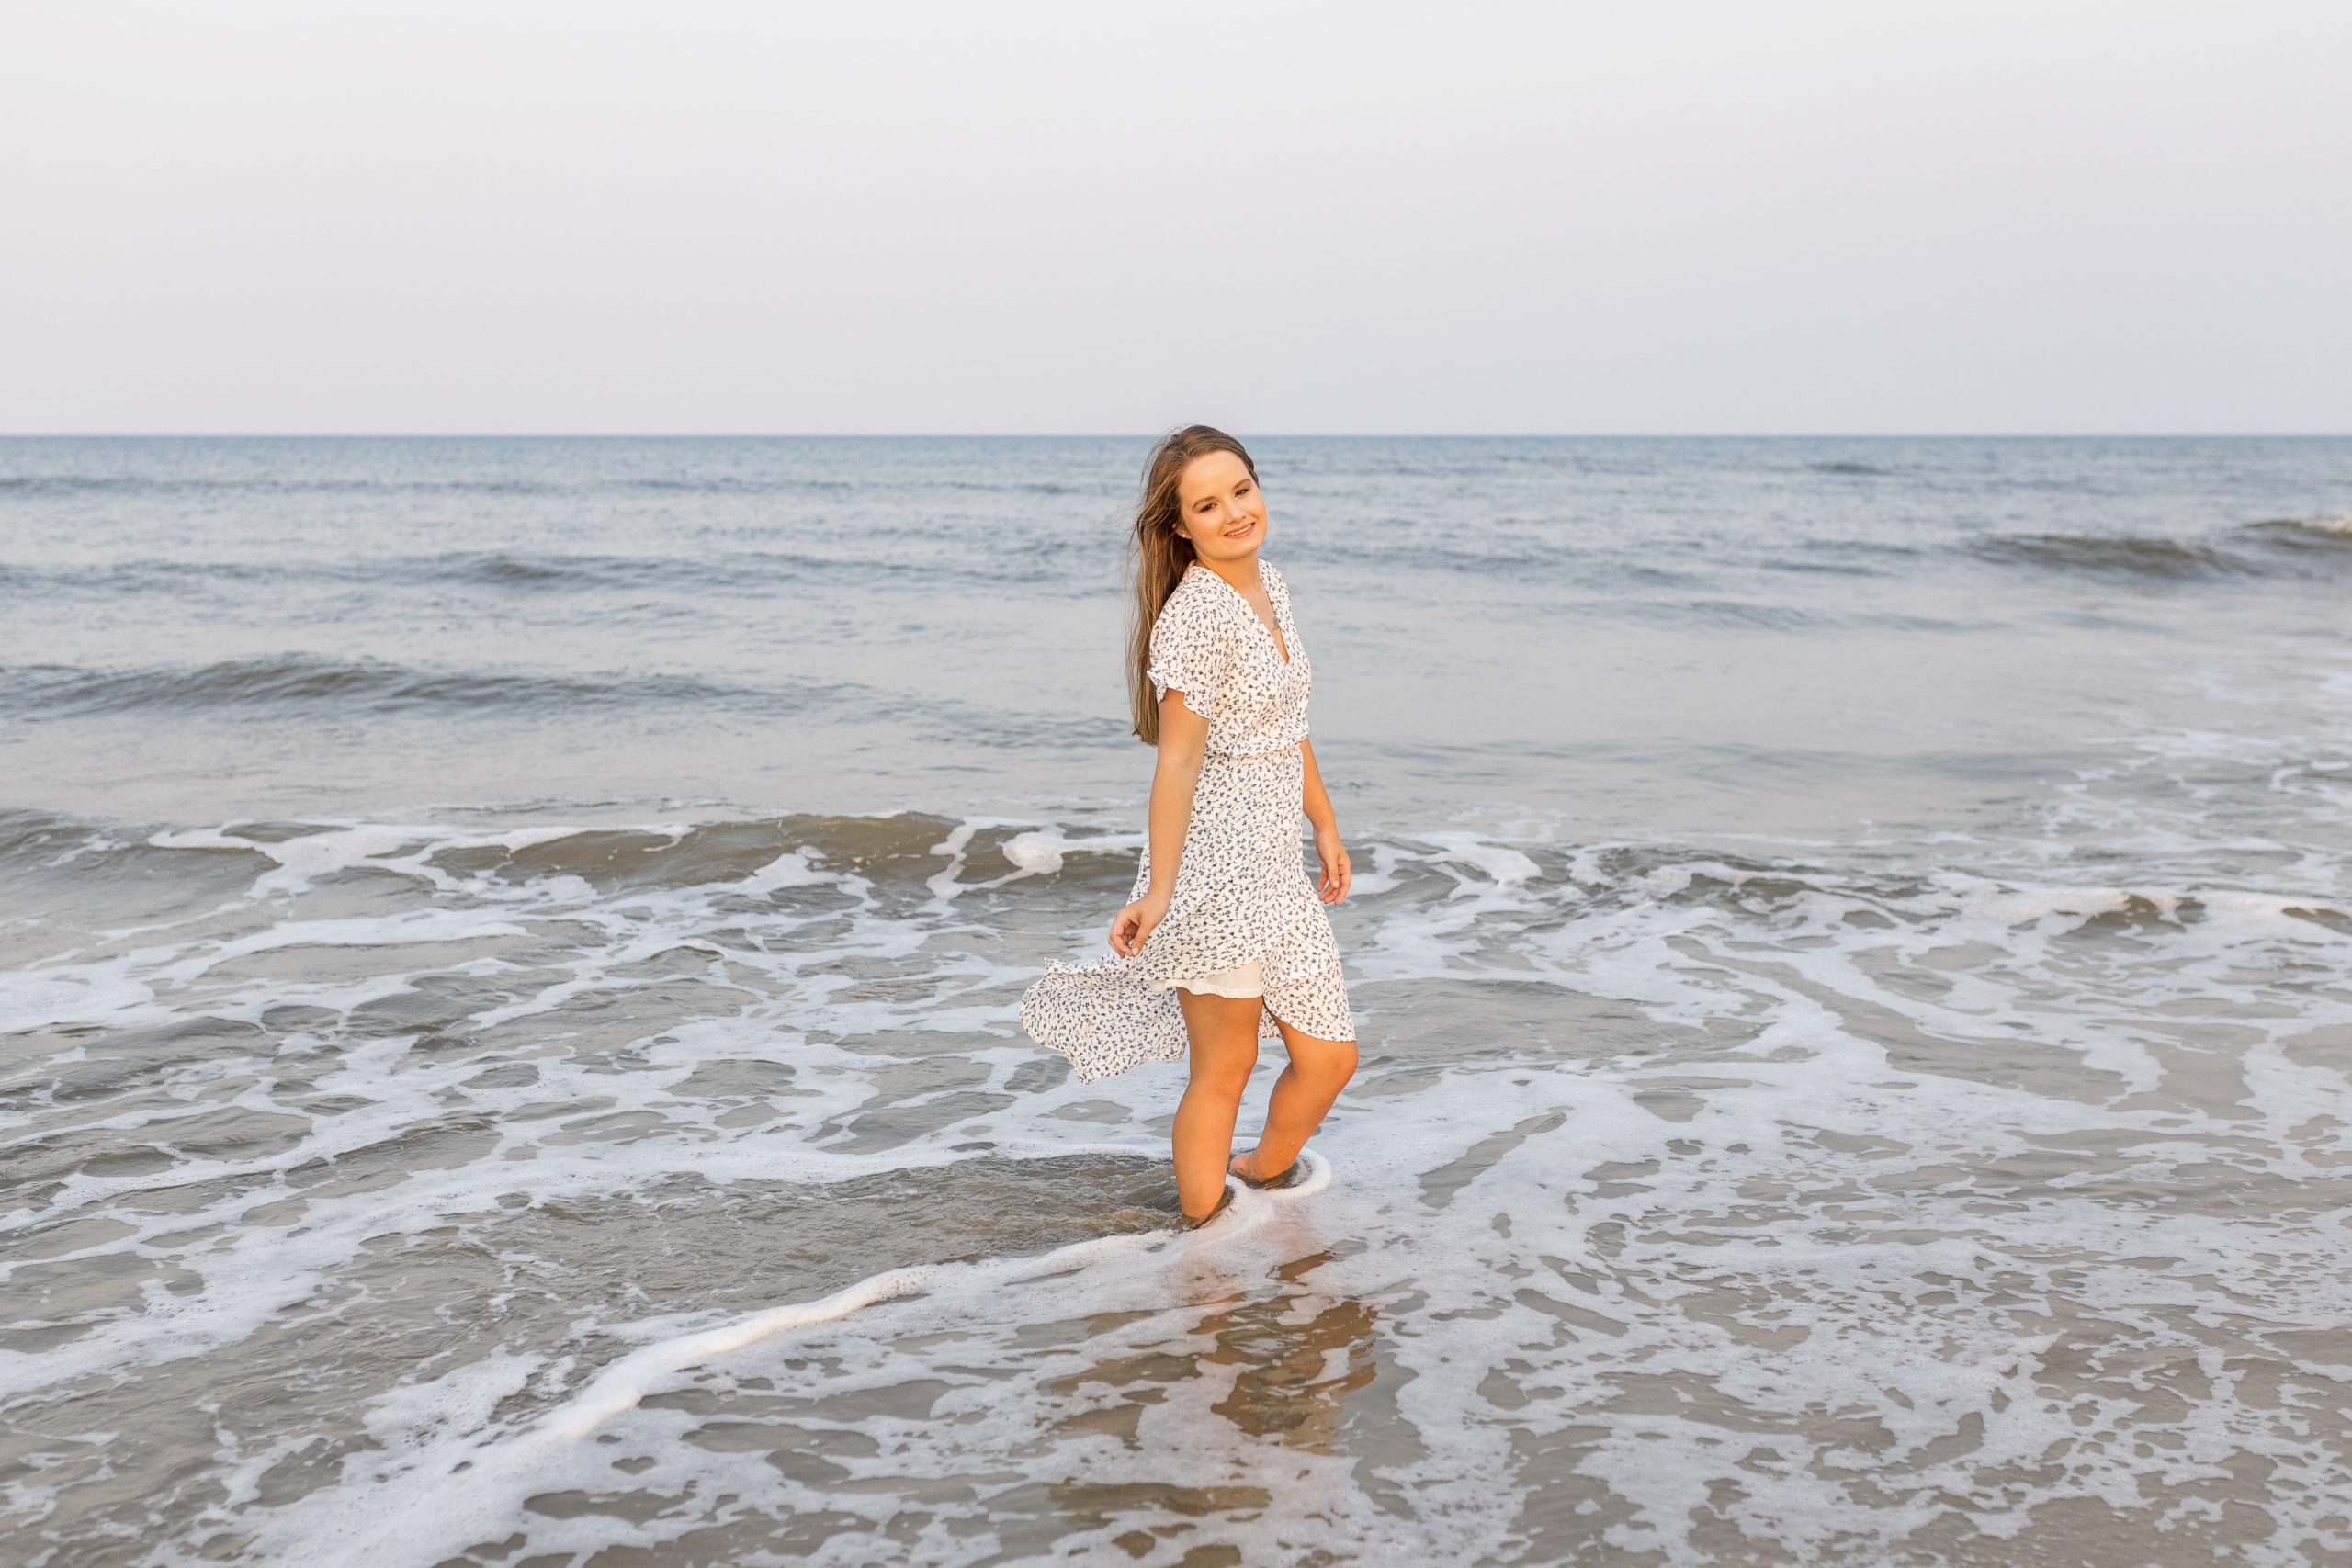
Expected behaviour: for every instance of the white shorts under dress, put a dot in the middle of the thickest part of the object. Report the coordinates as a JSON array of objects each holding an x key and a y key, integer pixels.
[
  {"x": 1244, "y": 920},
  {"x": 1241, "y": 984}
]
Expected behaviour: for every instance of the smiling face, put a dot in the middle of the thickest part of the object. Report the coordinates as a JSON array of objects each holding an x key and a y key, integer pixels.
[{"x": 1218, "y": 507}]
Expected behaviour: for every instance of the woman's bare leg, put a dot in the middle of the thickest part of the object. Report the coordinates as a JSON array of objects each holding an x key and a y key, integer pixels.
[
  {"x": 1224, "y": 1034},
  {"x": 1318, "y": 1070}
]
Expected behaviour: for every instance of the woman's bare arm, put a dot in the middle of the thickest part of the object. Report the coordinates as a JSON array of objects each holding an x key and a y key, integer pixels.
[
  {"x": 1317, "y": 803},
  {"x": 1183, "y": 741}
]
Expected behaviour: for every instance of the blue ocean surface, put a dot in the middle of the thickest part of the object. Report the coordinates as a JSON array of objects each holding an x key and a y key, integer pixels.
[{"x": 509, "y": 953}]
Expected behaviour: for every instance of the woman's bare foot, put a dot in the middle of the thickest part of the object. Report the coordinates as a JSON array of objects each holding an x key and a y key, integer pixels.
[
  {"x": 1245, "y": 1165},
  {"x": 1224, "y": 1201}
]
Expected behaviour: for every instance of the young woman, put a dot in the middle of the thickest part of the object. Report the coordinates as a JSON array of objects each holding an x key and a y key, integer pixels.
[{"x": 1224, "y": 942}]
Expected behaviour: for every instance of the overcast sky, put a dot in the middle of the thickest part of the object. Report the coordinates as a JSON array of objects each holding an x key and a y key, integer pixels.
[{"x": 1005, "y": 217}]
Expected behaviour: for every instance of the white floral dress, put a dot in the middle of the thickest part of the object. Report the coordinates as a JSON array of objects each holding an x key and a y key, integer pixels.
[{"x": 1242, "y": 900}]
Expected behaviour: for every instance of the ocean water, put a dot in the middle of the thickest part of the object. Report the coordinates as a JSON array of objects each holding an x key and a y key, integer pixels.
[{"x": 509, "y": 952}]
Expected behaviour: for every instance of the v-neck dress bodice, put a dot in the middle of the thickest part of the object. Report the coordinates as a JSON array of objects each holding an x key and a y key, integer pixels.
[
  {"x": 1242, "y": 897},
  {"x": 1210, "y": 644}
]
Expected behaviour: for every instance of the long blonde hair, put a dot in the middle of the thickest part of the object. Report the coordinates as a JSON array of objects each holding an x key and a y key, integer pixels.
[{"x": 1158, "y": 554}]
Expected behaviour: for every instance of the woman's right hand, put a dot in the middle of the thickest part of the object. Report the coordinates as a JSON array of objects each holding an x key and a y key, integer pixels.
[{"x": 1133, "y": 926}]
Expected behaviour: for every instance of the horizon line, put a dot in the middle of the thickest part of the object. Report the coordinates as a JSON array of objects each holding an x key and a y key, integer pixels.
[{"x": 1152, "y": 435}]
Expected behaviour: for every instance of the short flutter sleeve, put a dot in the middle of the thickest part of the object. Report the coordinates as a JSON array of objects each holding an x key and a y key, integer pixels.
[{"x": 1193, "y": 645}]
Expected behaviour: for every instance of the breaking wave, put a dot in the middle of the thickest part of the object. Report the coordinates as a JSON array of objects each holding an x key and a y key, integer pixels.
[
  {"x": 2167, "y": 559},
  {"x": 2283, "y": 548},
  {"x": 363, "y": 684}
]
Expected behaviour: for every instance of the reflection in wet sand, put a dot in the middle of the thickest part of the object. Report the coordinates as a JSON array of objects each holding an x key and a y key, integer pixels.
[{"x": 1297, "y": 1355}]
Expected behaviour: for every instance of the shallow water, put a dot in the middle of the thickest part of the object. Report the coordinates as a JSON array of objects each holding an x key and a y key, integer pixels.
[{"x": 1850, "y": 959}]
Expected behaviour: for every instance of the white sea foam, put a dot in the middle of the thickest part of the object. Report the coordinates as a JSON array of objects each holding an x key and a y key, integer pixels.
[
  {"x": 1660, "y": 1158},
  {"x": 621, "y": 1386},
  {"x": 1499, "y": 864},
  {"x": 451, "y": 1469},
  {"x": 792, "y": 869},
  {"x": 73, "y": 994},
  {"x": 1038, "y": 852}
]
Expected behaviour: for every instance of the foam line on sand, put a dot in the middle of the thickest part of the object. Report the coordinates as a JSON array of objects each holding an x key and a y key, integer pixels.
[
  {"x": 622, "y": 1385},
  {"x": 423, "y": 1519}
]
